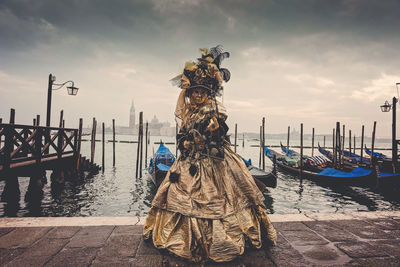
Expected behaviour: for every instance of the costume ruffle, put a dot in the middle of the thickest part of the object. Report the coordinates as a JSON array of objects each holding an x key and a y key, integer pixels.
[{"x": 199, "y": 239}]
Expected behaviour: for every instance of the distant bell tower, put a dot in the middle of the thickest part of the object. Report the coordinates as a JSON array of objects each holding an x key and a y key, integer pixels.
[{"x": 132, "y": 116}]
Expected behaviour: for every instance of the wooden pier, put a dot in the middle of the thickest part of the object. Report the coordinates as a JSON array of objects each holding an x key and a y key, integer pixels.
[{"x": 30, "y": 150}]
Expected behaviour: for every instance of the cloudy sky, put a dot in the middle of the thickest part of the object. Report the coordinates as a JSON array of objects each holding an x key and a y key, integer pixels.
[{"x": 312, "y": 61}]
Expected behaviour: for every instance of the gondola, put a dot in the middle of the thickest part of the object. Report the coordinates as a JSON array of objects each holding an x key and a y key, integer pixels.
[
  {"x": 379, "y": 156},
  {"x": 350, "y": 160},
  {"x": 160, "y": 164},
  {"x": 268, "y": 178},
  {"x": 311, "y": 163},
  {"x": 358, "y": 176}
]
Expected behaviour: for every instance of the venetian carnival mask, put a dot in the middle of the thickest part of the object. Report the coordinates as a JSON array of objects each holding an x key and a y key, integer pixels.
[{"x": 198, "y": 96}]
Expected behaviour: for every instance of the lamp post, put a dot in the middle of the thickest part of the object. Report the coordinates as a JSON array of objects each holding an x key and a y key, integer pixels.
[
  {"x": 386, "y": 108},
  {"x": 72, "y": 90}
]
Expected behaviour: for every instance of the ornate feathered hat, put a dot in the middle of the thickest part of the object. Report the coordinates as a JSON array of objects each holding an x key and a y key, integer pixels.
[{"x": 206, "y": 72}]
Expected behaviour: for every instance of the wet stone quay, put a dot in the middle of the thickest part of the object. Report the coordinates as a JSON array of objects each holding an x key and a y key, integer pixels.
[{"x": 312, "y": 239}]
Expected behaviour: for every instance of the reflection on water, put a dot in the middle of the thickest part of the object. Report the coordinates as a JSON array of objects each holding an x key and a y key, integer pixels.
[{"x": 117, "y": 192}]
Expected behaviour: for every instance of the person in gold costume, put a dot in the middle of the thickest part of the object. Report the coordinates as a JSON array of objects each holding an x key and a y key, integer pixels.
[{"x": 208, "y": 207}]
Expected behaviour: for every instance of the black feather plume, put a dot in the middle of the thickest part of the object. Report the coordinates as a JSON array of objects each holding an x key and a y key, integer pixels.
[
  {"x": 218, "y": 60},
  {"x": 226, "y": 74},
  {"x": 215, "y": 51}
]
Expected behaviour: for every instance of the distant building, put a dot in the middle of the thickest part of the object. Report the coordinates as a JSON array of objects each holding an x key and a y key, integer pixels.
[
  {"x": 155, "y": 127},
  {"x": 132, "y": 121}
]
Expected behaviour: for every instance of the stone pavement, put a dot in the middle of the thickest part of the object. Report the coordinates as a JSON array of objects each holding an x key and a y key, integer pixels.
[{"x": 356, "y": 239}]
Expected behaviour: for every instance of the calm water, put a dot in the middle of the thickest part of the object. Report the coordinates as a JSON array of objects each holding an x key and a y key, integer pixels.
[{"x": 116, "y": 192}]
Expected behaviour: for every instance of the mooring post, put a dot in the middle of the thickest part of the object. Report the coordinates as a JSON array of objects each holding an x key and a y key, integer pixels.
[
  {"x": 354, "y": 144},
  {"x": 145, "y": 154},
  {"x": 103, "y": 148},
  {"x": 243, "y": 141},
  {"x": 138, "y": 147},
  {"x": 234, "y": 148},
  {"x": 93, "y": 141},
  {"x": 288, "y": 139},
  {"x": 312, "y": 143},
  {"x": 263, "y": 142},
  {"x": 11, "y": 192},
  {"x": 334, "y": 147},
  {"x": 141, "y": 145},
  {"x": 113, "y": 126},
  {"x": 342, "y": 148},
  {"x": 372, "y": 145},
  {"x": 301, "y": 150},
  {"x": 34, "y": 122},
  {"x": 78, "y": 158},
  {"x": 394, "y": 141},
  {"x": 362, "y": 144},
  {"x": 12, "y": 116},
  {"x": 324, "y": 141},
  {"x": 338, "y": 145},
  {"x": 37, "y": 120},
  {"x": 350, "y": 142}
]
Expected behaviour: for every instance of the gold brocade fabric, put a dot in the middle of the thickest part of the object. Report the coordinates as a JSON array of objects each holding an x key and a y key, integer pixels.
[{"x": 210, "y": 215}]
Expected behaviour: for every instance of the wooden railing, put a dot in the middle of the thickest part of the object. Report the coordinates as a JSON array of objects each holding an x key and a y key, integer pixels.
[{"x": 19, "y": 143}]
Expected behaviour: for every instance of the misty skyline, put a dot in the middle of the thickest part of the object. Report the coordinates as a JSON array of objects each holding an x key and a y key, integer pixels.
[{"x": 311, "y": 62}]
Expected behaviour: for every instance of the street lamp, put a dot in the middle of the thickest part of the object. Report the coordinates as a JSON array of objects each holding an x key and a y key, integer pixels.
[
  {"x": 72, "y": 90},
  {"x": 386, "y": 108}
]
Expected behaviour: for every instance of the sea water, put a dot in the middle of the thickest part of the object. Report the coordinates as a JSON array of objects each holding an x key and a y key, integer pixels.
[{"x": 117, "y": 191}]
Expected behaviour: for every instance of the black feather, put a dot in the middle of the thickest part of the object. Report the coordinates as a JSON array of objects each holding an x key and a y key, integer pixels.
[
  {"x": 215, "y": 51},
  {"x": 174, "y": 177},
  {"x": 226, "y": 74},
  {"x": 193, "y": 170},
  {"x": 218, "y": 60}
]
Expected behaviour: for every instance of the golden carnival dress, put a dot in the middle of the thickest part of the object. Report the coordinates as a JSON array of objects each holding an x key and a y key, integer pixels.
[{"x": 208, "y": 207}]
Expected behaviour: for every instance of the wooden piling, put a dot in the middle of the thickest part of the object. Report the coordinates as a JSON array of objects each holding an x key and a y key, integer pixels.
[
  {"x": 301, "y": 149},
  {"x": 113, "y": 129},
  {"x": 138, "y": 147},
  {"x": 243, "y": 141},
  {"x": 37, "y": 120},
  {"x": 141, "y": 145},
  {"x": 338, "y": 145},
  {"x": 79, "y": 145},
  {"x": 60, "y": 138},
  {"x": 334, "y": 147},
  {"x": 12, "y": 116},
  {"x": 350, "y": 142},
  {"x": 354, "y": 144},
  {"x": 288, "y": 139},
  {"x": 312, "y": 143},
  {"x": 362, "y": 145},
  {"x": 342, "y": 148},
  {"x": 324, "y": 141},
  {"x": 263, "y": 142},
  {"x": 373, "y": 145},
  {"x": 103, "y": 147},
  {"x": 234, "y": 149},
  {"x": 93, "y": 141},
  {"x": 145, "y": 154},
  {"x": 34, "y": 122},
  {"x": 61, "y": 118}
]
